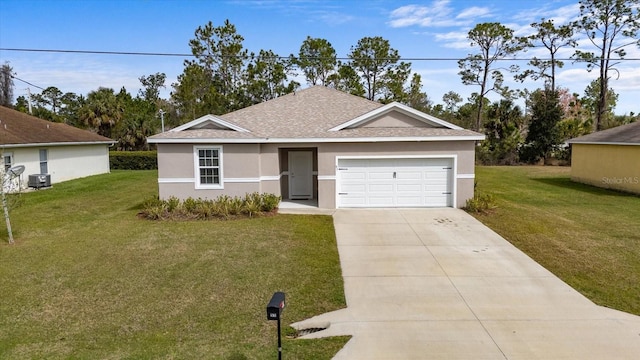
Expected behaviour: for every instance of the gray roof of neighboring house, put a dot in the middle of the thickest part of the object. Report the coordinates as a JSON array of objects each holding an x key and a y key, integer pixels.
[
  {"x": 309, "y": 115},
  {"x": 628, "y": 134},
  {"x": 20, "y": 129}
]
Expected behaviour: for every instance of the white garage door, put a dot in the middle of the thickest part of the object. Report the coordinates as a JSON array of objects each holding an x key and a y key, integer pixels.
[{"x": 395, "y": 182}]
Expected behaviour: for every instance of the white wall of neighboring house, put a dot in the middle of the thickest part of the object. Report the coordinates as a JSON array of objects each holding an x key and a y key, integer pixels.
[{"x": 63, "y": 162}]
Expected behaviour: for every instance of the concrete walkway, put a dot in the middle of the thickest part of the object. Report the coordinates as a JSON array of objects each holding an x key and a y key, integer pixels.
[{"x": 437, "y": 284}]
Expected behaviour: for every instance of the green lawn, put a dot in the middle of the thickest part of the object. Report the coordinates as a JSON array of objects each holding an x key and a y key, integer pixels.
[
  {"x": 87, "y": 279},
  {"x": 589, "y": 237}
]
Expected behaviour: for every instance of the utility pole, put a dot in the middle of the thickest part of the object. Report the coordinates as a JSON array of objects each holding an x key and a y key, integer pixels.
[
  {"x": 161, "y": 112},
  {"x": 29, "y": 100}
]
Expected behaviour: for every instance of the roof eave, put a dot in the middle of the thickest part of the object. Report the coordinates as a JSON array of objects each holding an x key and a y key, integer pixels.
[
  {"x": 602, "y": 143},
  {"x": 75, "y": 143},
  {"x": 317, "y": 140}
]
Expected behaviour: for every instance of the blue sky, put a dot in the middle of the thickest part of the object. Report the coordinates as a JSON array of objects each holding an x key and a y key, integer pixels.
[{"x": 417, "y": 29}]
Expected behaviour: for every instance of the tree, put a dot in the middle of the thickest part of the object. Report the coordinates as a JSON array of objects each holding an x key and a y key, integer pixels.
[
  {"x": 611, "y": 26},
  {"x": 139, "y": 122},
  {"x": 416, "y": 98},
  {"x": 317, "y": 60},
  {"x": 69, "y": 111},
  {"x": 376, "y": 62},
  {"x": 504, "y": 133},
  {"x": 52, "y": 96},
  {"x": 192, "y": 91},
  {"x": 6, "y": 85},
  {"x": 152, "y": 85},
  {"x": 543, "y": 136},
  {"x": 591, "y": 104},
  {"x": 213, "y": 83},
  {"x": 266, "y": 77},
  {"x": 102, "y": 111},
  {"x": 553, "y": 39},
  {"x": 394, "y": 85},
  {"x": 495, "y": 42},
  {"x": 219, "y": 49},
  {"x": 347, "y": 80},
  {"x": 451, "y": 100}
]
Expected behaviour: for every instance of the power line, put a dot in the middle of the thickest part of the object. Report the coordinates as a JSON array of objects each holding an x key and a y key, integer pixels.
[
  {"x": 26, "y": 82},
  {"x": 136, "y": 53}
]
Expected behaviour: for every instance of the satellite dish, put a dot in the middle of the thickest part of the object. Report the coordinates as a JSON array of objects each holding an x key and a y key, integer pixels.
[{"x": 16, "y": 170}]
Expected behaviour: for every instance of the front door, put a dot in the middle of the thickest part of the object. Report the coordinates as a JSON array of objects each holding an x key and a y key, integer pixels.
[{"x": 300, "y": 175}]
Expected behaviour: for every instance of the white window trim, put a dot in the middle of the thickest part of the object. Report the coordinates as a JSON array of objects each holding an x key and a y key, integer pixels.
[
  {"x": 7, "y": 154},
  {"x": 196, "y": 167},
  {"x": 45, "y": 162}
]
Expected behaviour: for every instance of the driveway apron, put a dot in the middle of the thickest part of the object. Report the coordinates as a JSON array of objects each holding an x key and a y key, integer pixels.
[{"x": 437, "y": 284}]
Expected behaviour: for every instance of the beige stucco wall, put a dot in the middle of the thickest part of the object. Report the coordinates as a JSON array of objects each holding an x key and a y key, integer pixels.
[
  {"x": 608, "y": 166},
  {"x": 395, "y": 119},
  {"x": 240, "y": 171},
  {"x": 267, "y": 162}
]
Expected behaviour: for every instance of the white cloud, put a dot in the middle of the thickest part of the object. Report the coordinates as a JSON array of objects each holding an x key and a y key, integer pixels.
[
  {"x": 474, "y": 12},
  {"x": 438, "y": 14},
  {"x": 454, "y": 40}
]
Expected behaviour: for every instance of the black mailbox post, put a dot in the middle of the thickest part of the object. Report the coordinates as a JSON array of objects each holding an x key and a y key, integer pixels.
[{"x": 274, "y": 310}]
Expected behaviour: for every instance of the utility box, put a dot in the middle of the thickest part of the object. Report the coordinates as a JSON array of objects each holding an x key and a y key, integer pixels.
[
  {"x": 275, "y": 306},
  {"x": 39, "y": 180}
]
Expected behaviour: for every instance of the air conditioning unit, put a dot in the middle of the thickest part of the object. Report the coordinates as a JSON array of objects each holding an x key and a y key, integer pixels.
[{"x": 39, "y": 180}]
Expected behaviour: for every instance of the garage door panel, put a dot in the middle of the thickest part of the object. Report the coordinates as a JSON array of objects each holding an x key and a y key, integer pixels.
[
  {"x": 354, "y": 187},
  {"x": 414, "y": 188},
  {"x": 380, "y": 187},
  {"x": 380, "y": 175},
  {"x": 409, "y": 174},
  {"x": 352, "y": 175},
  {"x": 409, "y": 182}
]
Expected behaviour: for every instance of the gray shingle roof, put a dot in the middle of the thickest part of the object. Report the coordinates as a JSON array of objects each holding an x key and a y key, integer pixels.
[
  {"x": 624, "y": 134},
  {"x": 18, "y": 128},
  {"x": 307, "y": 114}
]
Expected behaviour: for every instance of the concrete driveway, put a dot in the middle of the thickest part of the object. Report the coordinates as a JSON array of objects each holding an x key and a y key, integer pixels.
[{"x": 437, "y": 284}]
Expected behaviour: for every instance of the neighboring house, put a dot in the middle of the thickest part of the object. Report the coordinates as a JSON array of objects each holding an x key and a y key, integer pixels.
[
  {"x": 43, "y": 147},
  {"x": 608, "y": 158},
  {"x": 322, "y": 144}
]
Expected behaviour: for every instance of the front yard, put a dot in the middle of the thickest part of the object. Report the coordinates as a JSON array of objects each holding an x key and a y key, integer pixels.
[
  {"x": 87, "y": 279},
  {"x": 589, "y": 237}
]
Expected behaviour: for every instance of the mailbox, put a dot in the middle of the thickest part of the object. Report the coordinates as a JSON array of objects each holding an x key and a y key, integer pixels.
[{"x": 275, "y": 306}]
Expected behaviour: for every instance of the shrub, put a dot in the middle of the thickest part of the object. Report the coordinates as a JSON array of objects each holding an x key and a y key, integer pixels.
[
  {"x": 173, "y": 204},
  {"x": 190, "y": 204},
  {"x": 252, "y": 204},
  {"x": 154, "y": 209},
  {"x": 480, "y": 203},
  {"x": 235, "y": 206},
  {"x": 205, "y": 210},
  {"x": 224, "y": 207},
  {"x": 133, "y": 160},
  {"x": 270, "y": 202}
]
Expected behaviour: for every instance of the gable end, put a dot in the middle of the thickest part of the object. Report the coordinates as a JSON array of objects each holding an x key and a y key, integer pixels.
[{"x": 209, "y": 122}]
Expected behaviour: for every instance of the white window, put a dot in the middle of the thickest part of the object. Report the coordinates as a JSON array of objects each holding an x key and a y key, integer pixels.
[
  {"x": 44, "y": 158},
  {"x": 208, "y": 167},
  {"x": 8, "y": 160}
]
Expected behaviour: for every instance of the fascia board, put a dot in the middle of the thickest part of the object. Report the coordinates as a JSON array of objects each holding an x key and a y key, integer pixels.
[
  {"x": 400, "y": 107},
  {"x": 31, "y": 145},
  {"x": 207, "y": 118},
  {"x": 316, "y": 140}
]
